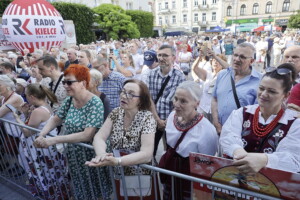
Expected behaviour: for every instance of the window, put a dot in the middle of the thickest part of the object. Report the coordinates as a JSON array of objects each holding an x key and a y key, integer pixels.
[
  {"x": 243, "y": 9},
  {"x": 229, "y": 10},
  {"x": 160, "y": 20},
  {"x": 128, "y": 5},
  {"x": 196, "y": 3},
  {"x": 214, "y": 1},
  {"x": 184, "y": 3},
  {"x": 214, "y": 16},
  {"x": 167, "y": 20},
  {"x": 195, "y": 17},
  {"x": 174, "y": 19},
  {"x": 269, "y": 7},
  {"x": 204, "y": 2},
  {"x": 204, "y": 17},
  {"x": 286, "y": 6},
  {"x": 184, "y": 18},
  {"x": 159, "y": 6},
  {"x": 166, "y": 5},
  {"x": 173, "y": 4},
  {"x": 255, "y": 8}
]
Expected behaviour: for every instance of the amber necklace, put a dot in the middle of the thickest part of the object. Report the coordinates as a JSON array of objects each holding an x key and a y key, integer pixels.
[{"x": 261, "y": 132}]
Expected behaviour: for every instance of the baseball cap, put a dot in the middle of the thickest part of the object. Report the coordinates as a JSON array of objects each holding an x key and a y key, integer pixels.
[
  {"x": 295, "y": 95},
  {"x": 21, "y": 82},
  {"x": 150, "y": 57}
]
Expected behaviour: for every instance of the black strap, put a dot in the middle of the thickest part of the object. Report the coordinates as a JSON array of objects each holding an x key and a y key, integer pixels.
[
  {"x": 162, "y": 89},
  {"x": 56, "y": 86},
  {"x": 263, "y": 140},
  {"x": 234, "y": 93},
  {"x": 180, "y": 139}
]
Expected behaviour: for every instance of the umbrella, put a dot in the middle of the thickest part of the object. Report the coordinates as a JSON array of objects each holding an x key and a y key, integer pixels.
[
  {"x": 216, "y": 29},
  {"x": 259, "y": 29}
]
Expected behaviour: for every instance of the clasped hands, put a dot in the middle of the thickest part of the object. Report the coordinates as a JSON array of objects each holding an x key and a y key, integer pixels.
[
  {"x": 106, "y": 159},
  {"x": 42, "y": 142},
  {"x": 249, "y": 163}
]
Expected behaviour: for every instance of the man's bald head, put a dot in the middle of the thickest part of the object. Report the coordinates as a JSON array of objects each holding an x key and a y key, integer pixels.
[{"x": 292, "y": 55}]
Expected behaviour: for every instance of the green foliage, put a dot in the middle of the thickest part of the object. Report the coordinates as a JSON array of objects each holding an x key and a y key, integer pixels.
[
  {"x": 143, "y": 20},
  {"x": 83, "y": 18},
  {"x": 115, "y": 23},
  {"x": 3, "y": 5},
  {"x": 294, "y": 21}
]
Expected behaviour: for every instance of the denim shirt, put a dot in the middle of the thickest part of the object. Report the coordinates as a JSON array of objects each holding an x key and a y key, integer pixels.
[{"x": 246, "y": 89}]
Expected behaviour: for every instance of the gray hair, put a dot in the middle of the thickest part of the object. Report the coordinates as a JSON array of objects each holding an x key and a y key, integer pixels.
[
  {"x": 96, "y": 76},
  {"x": 166, "y": 46},
  {"x": 248, "y": 46},
  {"x": 193, "y": 88},
  {"x": 8, "y": 82}
]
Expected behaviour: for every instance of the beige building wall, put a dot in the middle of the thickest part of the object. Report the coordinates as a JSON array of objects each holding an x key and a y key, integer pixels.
[
  {"x": 188, "y": 15},
  {"x": 276, "y": 14}
]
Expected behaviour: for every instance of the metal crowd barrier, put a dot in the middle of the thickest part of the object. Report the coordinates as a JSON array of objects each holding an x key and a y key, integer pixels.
[{"x": 18, "y": 166}]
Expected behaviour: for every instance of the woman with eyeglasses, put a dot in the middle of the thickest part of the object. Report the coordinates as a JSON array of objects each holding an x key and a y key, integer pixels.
[
  {"x": 130, "y": 127},
  {"x": 265, "y": 134},
  {"x": 82, "y": 115},
  {"x": 42, "y": 165},
  {"x": 199, "y": 136}
]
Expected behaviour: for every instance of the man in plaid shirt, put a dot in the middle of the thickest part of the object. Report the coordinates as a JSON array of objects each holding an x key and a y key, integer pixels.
[{"x": 166, "y": 56}]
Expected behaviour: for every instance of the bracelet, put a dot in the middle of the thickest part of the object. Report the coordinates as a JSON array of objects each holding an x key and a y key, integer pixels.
[{"x": 119, "y": 161}]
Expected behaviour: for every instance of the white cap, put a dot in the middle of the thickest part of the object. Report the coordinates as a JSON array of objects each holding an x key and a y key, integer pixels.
[{"x": 21, "y": 82}]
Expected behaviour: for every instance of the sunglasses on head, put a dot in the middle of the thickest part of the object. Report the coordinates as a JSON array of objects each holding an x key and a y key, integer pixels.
[
  {"x": 280, "y": 71},
  {"x": 68, "y": 82}
]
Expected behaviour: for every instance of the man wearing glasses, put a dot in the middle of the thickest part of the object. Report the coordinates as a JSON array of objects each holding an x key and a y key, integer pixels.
[
  {"x": 240, "y": 75},
  {"x": 162, "y": 96},
  {"x": 292, "y": 55}
]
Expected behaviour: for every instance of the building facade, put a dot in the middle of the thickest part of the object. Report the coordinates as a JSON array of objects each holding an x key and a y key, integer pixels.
[
  {"x": 145, "y": 5},
  {"x": 188, "y": 15},
  {"x": 246, "y": 14},
  {"x": 241, "y": 15}
]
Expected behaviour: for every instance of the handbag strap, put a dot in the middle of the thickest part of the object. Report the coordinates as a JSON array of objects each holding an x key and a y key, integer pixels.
[
  {"x": 56, "y": 86},
  {"x": 180, "y": 139},
  {"x": 234, "y": 93},
  {"x": 162, "y": 89}
]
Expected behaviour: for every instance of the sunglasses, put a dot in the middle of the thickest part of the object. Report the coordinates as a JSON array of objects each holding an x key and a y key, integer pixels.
[
  {"x": 68, "y": 82},
  {"x": 280, "y": 71}
]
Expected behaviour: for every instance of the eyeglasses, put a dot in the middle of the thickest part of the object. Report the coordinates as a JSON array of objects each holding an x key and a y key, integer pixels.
[
  {"x": 68, "y": 82},
  {"x": 280, "y": 71},
  {"x": 241, "y": 57},
  {"x": 128, "y": 95}
]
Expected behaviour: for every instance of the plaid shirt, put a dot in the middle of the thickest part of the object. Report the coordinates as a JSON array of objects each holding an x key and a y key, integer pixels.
[
  {"x": 155, "y": 80},
  {"x": 111, "y": 87}
]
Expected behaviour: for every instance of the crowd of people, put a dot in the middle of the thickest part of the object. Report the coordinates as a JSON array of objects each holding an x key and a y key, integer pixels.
[{"x": 222, "y": 95}]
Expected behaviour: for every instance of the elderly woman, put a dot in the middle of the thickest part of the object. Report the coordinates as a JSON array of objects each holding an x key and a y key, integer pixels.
[
  {"x": 265, "y": 134},
  {"x": 184, "y": 59},
  {"x": 96, "y": 80},
  {"x": 131, "y": 127},
  {"x": 186, "y": 131},
  {"x": 40, "y": 171},
  {"x": 82, "y": 114}
]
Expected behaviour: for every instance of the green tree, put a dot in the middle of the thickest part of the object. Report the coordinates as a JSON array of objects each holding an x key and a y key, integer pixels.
[
  {"x": 294, "y": 20},
  {"x": 83, "y": 18},
  {"x": 115, "y": 23},
  {"x": 3, "y": 5},
  {"x": 143, "y": 20}
]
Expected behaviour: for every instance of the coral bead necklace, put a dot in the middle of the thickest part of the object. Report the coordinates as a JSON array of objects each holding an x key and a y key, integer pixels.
[{"x": 261, "y": 132}]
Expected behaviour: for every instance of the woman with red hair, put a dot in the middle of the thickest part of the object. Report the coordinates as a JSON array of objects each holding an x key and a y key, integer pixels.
[{"x": 82, "y": 114}]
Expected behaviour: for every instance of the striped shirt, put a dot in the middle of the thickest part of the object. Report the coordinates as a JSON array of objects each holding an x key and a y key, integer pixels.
[{"x": 111, "y": 86}]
